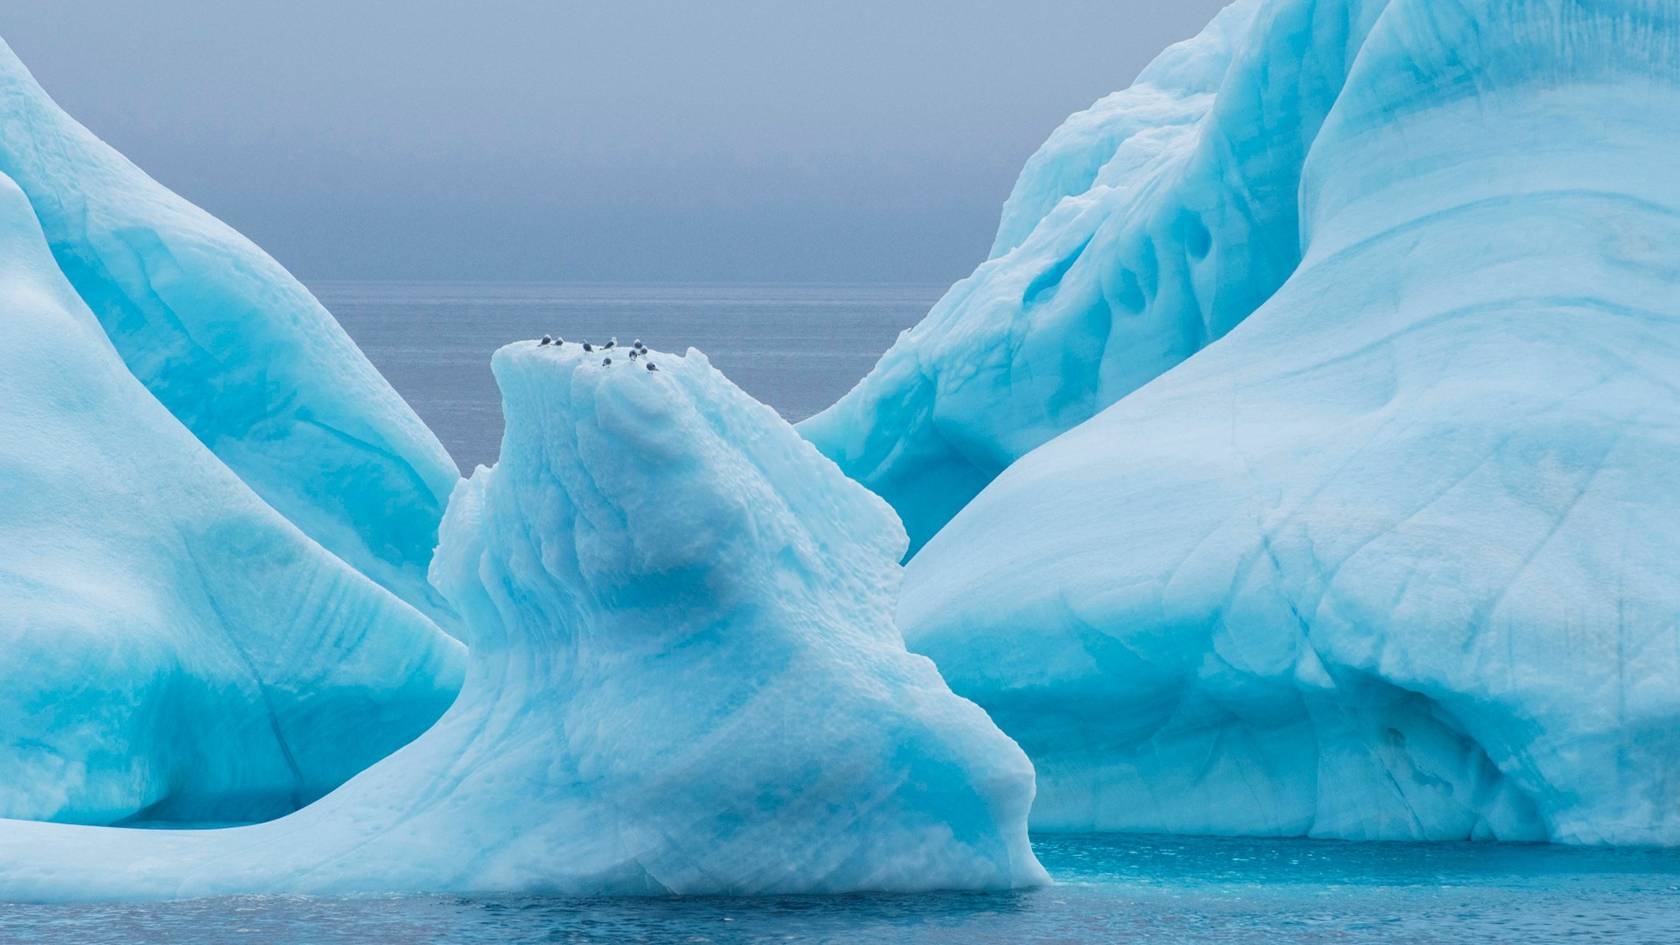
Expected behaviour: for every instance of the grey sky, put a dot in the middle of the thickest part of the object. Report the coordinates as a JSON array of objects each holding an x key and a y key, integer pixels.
[{"x": 637, "y": 140}]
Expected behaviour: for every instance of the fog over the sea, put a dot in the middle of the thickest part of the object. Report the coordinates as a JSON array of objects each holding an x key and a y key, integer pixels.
[{"x": 629, "y": 140}]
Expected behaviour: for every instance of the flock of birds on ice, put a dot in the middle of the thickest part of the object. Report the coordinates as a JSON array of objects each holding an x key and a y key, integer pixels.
[{"x": 637, "y": 350}]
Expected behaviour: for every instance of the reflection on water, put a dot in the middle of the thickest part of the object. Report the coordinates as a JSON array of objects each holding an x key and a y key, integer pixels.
[{"x": 1109, "y": 889}]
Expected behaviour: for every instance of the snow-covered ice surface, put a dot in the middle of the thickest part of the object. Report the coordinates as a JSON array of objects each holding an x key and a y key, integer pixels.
[
  {"x": 235, "y": 347},
  {"x": 173, "y": 647},
  {"x": 1395, "y": 558},
  {"x": 684, "y": 678}
]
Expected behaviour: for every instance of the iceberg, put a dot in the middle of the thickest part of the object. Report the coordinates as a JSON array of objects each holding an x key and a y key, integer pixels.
[
  {"x": 1394, "y": 557},
  {"x": 175, "y": 649},
  {"x": 1146, "y": 228},
  {"x": 233, "y": 346},
  {"x": 684, "y": 678}
]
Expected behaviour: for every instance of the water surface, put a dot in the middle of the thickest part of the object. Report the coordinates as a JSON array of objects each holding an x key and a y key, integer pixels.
[
  {"x": 1109, "y": 889},
  {"x": 795, "y": 347}
]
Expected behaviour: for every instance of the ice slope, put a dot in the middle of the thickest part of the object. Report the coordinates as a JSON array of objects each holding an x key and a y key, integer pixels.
[
  {"x": 172, "y": 647},
  {"x": 1396, "y": 558},
  {"x": 684, "y": 678},
  {"x": 235, "y": 348}
]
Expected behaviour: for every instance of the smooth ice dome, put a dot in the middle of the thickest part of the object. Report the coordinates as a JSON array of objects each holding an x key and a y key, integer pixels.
[
  {"x": 233, "y": 346},
  {"x": 684, "y": 678},
  {"x": 173, "y": 648},
  {"x": 1394, "y": 558}
]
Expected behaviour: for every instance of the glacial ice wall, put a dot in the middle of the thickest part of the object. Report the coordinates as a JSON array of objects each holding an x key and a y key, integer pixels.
[
  {"x": 173, "y": 648},
  {"x": 236, "y": 348},
  {"x": 1394, "y": 558},
  {"x": 684, "y": 678}
]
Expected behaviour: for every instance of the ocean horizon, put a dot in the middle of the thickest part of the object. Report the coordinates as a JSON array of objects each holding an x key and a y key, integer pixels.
[{"x": 796, "y": 346}]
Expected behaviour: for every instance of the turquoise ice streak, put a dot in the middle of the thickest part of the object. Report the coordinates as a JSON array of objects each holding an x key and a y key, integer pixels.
[{"x": 1110, "y": 889}]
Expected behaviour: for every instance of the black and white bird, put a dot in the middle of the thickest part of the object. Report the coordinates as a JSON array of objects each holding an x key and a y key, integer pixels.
[
  {"x": 611, "y": 344},
  {"x": 545, "y": 341},
  {"x": 588, "y": 347},
  {"x": 637, "y": 344},
  {"x": 632, "y": 354},
  {"x": 558, "y": 341},
  {"x": 651, "y": 366},
  {"x": 606, "y": 361}
]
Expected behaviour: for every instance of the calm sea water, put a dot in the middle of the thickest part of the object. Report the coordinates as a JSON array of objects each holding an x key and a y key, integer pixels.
[
  {"x": 797, "y": 348},
  {"x": 1121, "y": 890}
]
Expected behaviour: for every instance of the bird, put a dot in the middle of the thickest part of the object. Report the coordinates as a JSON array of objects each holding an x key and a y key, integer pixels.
[
  {"x": 612, "y": 343},
  {"x": 637, "y": 344},
  {"x": 558, "y": 341},
  {"x": 633, "y": 354},
  {"x": 588, "y": 347},
  {"x": 545, "y": 341},
  {"x": 651, "y": 366},
  {"x": 606, "y": 361}
]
